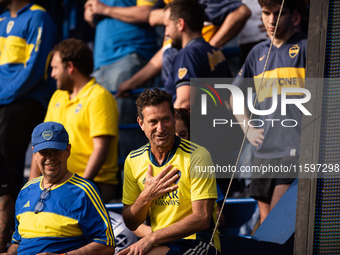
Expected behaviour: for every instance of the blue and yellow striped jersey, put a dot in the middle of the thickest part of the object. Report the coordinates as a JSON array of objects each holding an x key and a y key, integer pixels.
[
  {"x": 73, "y": 216},
  {"x": 25, "y": 43}
]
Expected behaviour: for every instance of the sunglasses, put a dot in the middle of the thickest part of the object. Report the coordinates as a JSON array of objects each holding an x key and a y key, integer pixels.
[{"x": 43, "y": 196}]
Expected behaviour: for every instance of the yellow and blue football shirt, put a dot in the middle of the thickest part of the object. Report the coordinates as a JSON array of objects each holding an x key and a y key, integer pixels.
[
  {"x": 189, "y": 158},
  {"x": 25, "y": 43},
  {"x": 73, "y": 216}
]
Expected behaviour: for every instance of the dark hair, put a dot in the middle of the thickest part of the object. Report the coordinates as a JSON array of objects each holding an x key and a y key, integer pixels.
[
  {"x": 291, "y": 5},
  {"x": 190, "y": 11},
  {"x": 184, "y": 114},
  {"x": 153, "y": 97},
  {"x": 78, "y": 53}
]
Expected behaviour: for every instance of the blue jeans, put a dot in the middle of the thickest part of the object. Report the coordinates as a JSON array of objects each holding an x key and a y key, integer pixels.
[{"x": 110, "y": 77}]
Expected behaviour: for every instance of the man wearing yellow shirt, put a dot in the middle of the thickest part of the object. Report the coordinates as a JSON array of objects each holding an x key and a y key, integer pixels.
[
  {"x": 90, "y": 115},
  {"x": 164, "y": 180}
]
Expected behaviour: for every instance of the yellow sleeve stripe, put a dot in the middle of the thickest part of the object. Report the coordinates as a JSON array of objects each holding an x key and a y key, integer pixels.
[
  {"x": 93, "y": 195},
  {"x": 38, "y": 179},
  {"x": 139, "y": 151},
  {"x": 36, "y": 7},
  {"x": 145, "y": 2}
]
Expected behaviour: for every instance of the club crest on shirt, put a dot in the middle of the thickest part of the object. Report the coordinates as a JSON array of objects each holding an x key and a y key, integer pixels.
[
  {"x": 294, "y": 50},
  {"x": 9, "y": 26},
  {"x": 79, "y": 106},
  {"x": 182, "y": 72},
  {"x": 47, "y": 135}
]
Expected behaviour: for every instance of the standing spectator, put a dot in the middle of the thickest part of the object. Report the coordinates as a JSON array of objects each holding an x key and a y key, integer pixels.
[
  {"x": 59, "y": 212},
  {"x": 27, "y": 35},
  {"x": 275, "y": 146},
  {"x": 223, "y": 21},
  {"x": 160, "y": 180},
  {"x": 89, "y": 113},
  {"x": 124, "y": 42}
]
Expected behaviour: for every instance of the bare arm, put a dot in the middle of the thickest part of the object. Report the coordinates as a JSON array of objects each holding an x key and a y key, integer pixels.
[
  {"x": 156, "y": 17},
  {"x": 254, "y": 135},
  {"x": 185, "y": 96},
  {"x": 89, "y": 249},
  {"x": 231, "y": 26},
  {"x": 143, "y": 230},
  {"x": 101, "y": 146},
  {"x": 193, "y": 223},
  {"x": 135, "y": 214},
  {"x": 130, "y": 14},
  {"x": 150, "y": 70},
  {"x": 12, "y": 250}
]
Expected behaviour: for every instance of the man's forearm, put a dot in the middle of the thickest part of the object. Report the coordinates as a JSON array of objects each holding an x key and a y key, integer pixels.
[
  {"x": 132, "y": 14},
  {"x": 231, "y": 26},
  {"x": 193, "y": 223},
  {"x": 101, "y": 147},
  {"x": 6, "y": 217},
  {"x": 93, "y": 249},
  {"x": 135, "y": 214}
]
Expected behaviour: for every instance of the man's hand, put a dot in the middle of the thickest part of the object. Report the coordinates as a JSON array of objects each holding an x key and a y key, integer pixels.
[
  {"x": 155, "y": 187},
  {"x": 124, "y": 88},
  {"x": 97, "y": 7},
  {"x": 255, "y": 136},
  {"x": 88, "y": 14},
  {"x": 141, "y": 247},
  {"x": 161, "y": 184}
]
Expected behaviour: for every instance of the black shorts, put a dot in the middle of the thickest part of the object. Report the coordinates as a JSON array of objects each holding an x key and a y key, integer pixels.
[
  {"x": 262, "y": 188},
  {"x": 189, "y": 246}
]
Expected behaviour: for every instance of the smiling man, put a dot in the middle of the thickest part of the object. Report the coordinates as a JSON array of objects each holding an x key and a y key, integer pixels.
[
  {"x": 59, "y": 212},
  {"x": 160, "y": 181}
]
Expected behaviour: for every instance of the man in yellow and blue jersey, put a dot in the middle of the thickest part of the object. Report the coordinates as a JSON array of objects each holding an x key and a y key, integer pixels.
[
  {"x": 27, "y": 35},
  {"x": 60, "y": 211},
  {"x": 163, "y": 180}
]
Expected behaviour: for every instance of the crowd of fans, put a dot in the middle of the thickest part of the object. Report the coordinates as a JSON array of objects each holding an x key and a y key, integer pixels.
[{"x": 45, "y": 81}]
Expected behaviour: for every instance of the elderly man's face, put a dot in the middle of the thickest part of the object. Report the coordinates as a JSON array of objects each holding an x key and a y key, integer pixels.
[
  {"x": 158, "y": 125},
  {"x": 53, "y": 163}
]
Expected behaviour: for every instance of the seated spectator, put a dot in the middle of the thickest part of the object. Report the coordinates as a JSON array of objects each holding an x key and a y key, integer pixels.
[
  {"x": 160, "y": 180},
  {"x": 89, "y": 113},
  {"x": 59, "y": 212}
]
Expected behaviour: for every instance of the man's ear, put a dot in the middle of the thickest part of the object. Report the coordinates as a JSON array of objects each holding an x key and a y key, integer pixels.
[
  {"x": 180, "y": 24},
  {"x": 141, "y": 123},
  {"x": 70, "y": 67},
  {"x": 68, "y": 149},
  {"x": 296, "y": 18}
]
